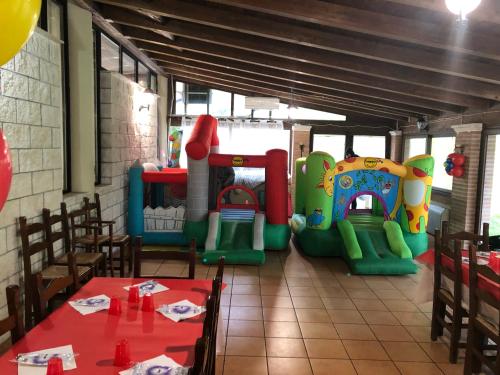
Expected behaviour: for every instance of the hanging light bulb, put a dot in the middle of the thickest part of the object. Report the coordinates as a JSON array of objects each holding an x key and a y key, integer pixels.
[{"x": 462, "y": 7}]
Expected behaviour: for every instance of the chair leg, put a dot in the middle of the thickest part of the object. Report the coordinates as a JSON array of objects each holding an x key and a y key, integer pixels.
[
  {"x": 438, "y": 309},
  {"x": 110, "y": 258},
  {"x": 130, "y": 256},
  {"x": 122, "y": 260},
  {"x": 456, "y": 331}
]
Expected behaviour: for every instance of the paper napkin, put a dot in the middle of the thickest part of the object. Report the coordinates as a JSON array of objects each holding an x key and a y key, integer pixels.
[
  {"x": 158, "y": 365},
  {"x": 91, "y": 305},
  {"x": 35, "y": 363},
  {"x": 150, "y": 286},
  {"x": 181, "y": 310}
]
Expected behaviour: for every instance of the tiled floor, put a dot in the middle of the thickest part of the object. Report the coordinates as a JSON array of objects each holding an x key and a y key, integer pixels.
[{"x": 302, "y": 316}]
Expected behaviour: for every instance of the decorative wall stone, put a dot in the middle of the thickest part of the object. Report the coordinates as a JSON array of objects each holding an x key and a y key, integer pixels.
[{"x": 26, "y": 103}]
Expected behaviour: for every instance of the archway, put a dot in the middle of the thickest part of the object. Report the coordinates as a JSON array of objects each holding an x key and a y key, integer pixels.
[{"x": 371, "y": 193}]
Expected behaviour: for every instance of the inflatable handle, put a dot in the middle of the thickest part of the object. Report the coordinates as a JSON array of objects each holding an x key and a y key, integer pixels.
[
  {"x": 350, "y": 240},
  {"x": 396, "y": 240}
]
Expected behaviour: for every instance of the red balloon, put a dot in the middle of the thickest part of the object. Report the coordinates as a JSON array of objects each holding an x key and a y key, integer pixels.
[
  {"x": 5, "y": 170},
  {"x": 458, "y": 159},
  {"x": 457, "y": 172}
]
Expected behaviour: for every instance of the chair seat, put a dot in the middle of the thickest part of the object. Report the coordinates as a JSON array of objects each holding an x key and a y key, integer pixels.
[
  {"x": 120, "y": 239},
  {"x": 487, "y": 325},
  {"x": 81, "y": 259},
  {"x": 89, "y": 239},
  {"x": 57, "y": 271},
  {"x": 446, "y": 296}
]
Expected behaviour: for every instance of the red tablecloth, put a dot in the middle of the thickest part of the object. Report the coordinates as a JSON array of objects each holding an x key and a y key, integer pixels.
[
  {"x": 483, "y": 283},
  {"x": 94, "y": 336}
]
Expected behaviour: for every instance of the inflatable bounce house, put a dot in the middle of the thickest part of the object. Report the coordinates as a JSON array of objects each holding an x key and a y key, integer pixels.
[
  {"x": 173, "y": 205},
  {"x": 383, "y": 240}
]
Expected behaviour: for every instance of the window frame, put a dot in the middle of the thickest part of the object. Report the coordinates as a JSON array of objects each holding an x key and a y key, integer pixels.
[
  {"x": 65, "y": 107},
  {"x": 490, "y": 131},
  {"x": 430, "y": 138}
]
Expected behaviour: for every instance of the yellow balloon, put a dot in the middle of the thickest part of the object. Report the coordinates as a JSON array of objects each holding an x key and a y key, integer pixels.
[{"x": 18, "y": 19}]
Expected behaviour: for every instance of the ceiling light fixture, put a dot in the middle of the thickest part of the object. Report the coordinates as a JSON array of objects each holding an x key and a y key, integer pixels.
[{"x": 462, "y": 7}]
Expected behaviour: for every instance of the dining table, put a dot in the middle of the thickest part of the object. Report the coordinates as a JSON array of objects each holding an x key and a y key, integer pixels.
[
  {"x": 94, "y": 336},
  {"x": 425, "y": 283}
]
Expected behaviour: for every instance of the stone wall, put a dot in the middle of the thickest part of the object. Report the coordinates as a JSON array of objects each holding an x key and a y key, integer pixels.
[{"x": 31, "y": 119}]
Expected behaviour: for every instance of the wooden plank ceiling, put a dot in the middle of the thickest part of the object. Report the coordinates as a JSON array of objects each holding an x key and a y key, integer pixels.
[{"x": 378, "y": 61}]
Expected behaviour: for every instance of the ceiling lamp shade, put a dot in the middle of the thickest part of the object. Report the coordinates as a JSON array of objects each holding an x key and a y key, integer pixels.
[{"x": 462, "y": 7}]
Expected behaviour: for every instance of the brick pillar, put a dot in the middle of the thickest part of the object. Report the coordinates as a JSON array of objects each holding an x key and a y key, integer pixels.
[
  {"x": 396, "y": 143},
  {"x": 300, "y": 136},
  {"x": 464, "y": 190}
]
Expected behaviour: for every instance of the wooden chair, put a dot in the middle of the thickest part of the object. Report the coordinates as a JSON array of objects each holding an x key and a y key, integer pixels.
[
  {"x": 480, "y": 329},
  {"x": 89, "y": 236},
  {"x": 45, "y": 292},
  {"x": 447, "y": 304},
  {"x": 220, "y": 269},
  {"x": 200, "y": 366},
  {"x": 41, "y": 247},
  {"x": 482, "y": 241},
  {"x": 92, "y": 259},
  {"x": 14, "y": 322},
  {"x": 122, "y": 241},
  {"x": 141, "y": 254}
]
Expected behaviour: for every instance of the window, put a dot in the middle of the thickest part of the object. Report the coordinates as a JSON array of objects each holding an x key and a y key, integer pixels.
[
  {"x": 128, "y": 66},
  {"x": 312, "y": 114},
  {"x": 490, "y": 212},
  {"x": 197, "y": 99},
  {"x": 441, "y": 147},
  {"x": 143, "y": 75},
  {"x": 110, "y": 54},
  {"x": 220, "y": 103},
  {"x": 242, "y": 137},
  {"x": 239, "y": 107},
  {"x": 334, "y": 144},
  {"x": 180, "y": 103},
  {"x": 369, "y": 145},
  {"x": 415, "y": 146}
]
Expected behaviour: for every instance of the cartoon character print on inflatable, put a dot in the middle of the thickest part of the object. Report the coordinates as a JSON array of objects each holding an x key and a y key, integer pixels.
[{"x": 327, "y": 178}]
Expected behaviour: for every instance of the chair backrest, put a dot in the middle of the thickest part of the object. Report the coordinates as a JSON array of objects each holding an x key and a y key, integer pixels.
[
  {"x": 78, "y": 218},
  {"x": 44, "y": 293},
  {"x": 52, "y": 235},
  {"x": 14, "y": 322},
  {"x": 454, "y": 255},
  {"x": 480, "y": 240},
  {"x": 140, "y": 254},
  {"x": 93, "y": 209},
  {"x": 477, "y": 295},
  {"x": 210, "y": 333},
  {"x": 30, "y": 248},
  {"x": 201, "y": 365}
]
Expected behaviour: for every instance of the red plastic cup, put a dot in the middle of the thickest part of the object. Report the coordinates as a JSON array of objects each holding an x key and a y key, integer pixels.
[
  {"x": 115, "y": 306},
  {"x": 55, "y": 366},
  {"x": 122, "y": 353},
  {"x": 148, "y": 303},
  {"x": 133, "y": 294}
]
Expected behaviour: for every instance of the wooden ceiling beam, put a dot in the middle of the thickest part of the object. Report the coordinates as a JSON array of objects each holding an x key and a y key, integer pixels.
[
  {"x": 296, "y": 86},
  {"x": 341, "y": 89},
  {"x": 375, "y": 68},
  {"x": 301, "y": 100},
  {"x": 382, "y": 50},
  {"x": 445, "y": 36},
  {"x": 488, "y": 10},
  {"x": 351, "y": 117},
  {"x": 312, "y": 69},
  {"x": 294, "y": 95}
]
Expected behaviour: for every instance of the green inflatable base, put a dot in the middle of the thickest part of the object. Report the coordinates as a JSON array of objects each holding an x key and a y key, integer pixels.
[
  {"x": 253, "y": 257},
  {"x": 277, "y": 236},
  {"x": 377, "y": 256},
  {"x": 197, "y": 230},
  {"x": 417, "y": 242}
]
